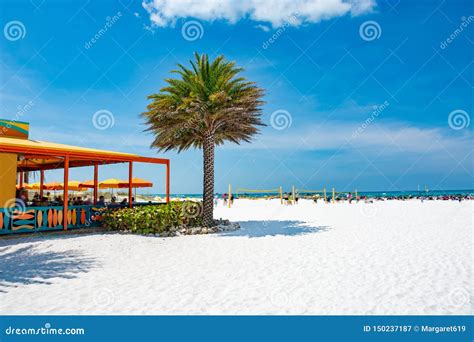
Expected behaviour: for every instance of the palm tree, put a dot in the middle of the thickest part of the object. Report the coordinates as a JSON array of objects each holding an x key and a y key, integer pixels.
[{"x": 205, "y": 106}]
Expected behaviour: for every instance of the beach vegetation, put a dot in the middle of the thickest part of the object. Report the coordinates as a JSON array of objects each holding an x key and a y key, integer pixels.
[{"x": 152, "y": 219}]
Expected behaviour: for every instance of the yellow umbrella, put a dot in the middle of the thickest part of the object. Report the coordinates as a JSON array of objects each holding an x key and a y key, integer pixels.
[
  {"x": 88, "y": 184},
  {"x": 74, "y": 186},
  {"x": 32, "y": 186},
  {"x": 53, "y": 186},
  {"x": 111, "y": 183},
  {"x": 25, "y": 186},
  {"x": 140, "y": 183}
]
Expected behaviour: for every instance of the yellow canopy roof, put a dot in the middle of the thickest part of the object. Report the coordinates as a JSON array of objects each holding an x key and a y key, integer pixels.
[{"x": 44, "y": 155}]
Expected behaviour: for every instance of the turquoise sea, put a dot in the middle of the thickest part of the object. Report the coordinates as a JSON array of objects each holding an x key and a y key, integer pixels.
[{"x": 370, "y": 194}]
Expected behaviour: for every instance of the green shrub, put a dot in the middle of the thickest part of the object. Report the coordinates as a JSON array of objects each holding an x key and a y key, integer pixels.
[{"x": 153, "y": 219}]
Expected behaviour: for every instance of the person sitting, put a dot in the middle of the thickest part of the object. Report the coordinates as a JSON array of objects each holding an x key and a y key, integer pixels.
[
  {"x": 101, "y": 201},
  {"x": 58, "y": 200},
  {"x": 124, "y": 201}
]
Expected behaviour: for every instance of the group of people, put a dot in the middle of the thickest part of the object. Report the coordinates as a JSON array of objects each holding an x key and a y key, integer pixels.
[
  {"x": 226, "y": 198},
  {"x": 288, "y": 198},
  {"x": 49, "y": 200}
]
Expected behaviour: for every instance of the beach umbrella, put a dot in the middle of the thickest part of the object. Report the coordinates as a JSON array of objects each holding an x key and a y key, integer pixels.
[
  {"x": 32, "y": 186},
  {"x": 111, "y": 183},
  {"x": 25, "y": 186},
  {"x": 140, "y": 183},
  {"x": 53, "y": 186},
  {"x": 73, "y": 185},
  {"x": 88, "y": 184}
]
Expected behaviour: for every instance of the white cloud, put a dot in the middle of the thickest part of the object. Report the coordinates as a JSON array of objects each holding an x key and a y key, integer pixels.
[
  {"x": 275, "y": 12},
  {"x": 264, "y": 28},
  {"x": 386, "y": 138}
]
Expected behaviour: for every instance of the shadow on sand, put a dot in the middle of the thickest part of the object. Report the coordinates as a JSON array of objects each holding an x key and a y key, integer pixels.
[
  {"x": 28, "y": 265},
  {"x": 253, "y": 229}
]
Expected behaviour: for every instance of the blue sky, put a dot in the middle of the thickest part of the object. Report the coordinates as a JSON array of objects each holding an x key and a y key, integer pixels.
[{"x": 352, "y": 108}]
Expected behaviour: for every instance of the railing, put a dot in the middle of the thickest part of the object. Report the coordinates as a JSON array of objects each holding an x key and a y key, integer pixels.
[{"x": 37, "y": 219}]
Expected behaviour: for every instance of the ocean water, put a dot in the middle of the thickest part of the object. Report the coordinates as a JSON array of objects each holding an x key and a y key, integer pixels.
[{"x": 369, "y": 194}]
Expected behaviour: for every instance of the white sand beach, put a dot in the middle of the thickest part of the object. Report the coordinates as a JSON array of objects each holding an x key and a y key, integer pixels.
[{"x": 389, "y": 257}]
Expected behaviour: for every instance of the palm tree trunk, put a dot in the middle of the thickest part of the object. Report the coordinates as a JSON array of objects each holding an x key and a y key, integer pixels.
[{"x": 208, "y": 181}]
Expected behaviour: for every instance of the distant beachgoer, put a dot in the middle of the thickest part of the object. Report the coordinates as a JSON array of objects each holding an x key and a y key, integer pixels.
[
  {"x": 216, "y": 198},
  {"x": 224, "y": 197}
]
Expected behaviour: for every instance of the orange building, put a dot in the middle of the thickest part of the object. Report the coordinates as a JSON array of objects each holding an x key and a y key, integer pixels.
[{"x": 19, "y": 154}]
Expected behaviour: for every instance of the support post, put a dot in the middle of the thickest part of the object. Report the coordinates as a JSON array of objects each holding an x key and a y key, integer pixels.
[
  {"x": 229, "y": 195},
  {"x": 21, "y": 180},
  {"x": 281, "y": 195},
  {"x": 333, "y": 195},
  {"x": 325, "y": 197},
  {"x": 168, "y": 181},
  {"x": 130, "y": 174},
  {"x": 41, "y": 184},
  {"x": 65, "y": 192},
  {"x": 293, "y": 194},
  {"x": 356, "y": 193},
  {"x": 96, "y": 182}
]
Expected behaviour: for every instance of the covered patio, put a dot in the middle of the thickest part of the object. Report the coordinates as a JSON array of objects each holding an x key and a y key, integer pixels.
[{"x": 19, "y": 155}]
